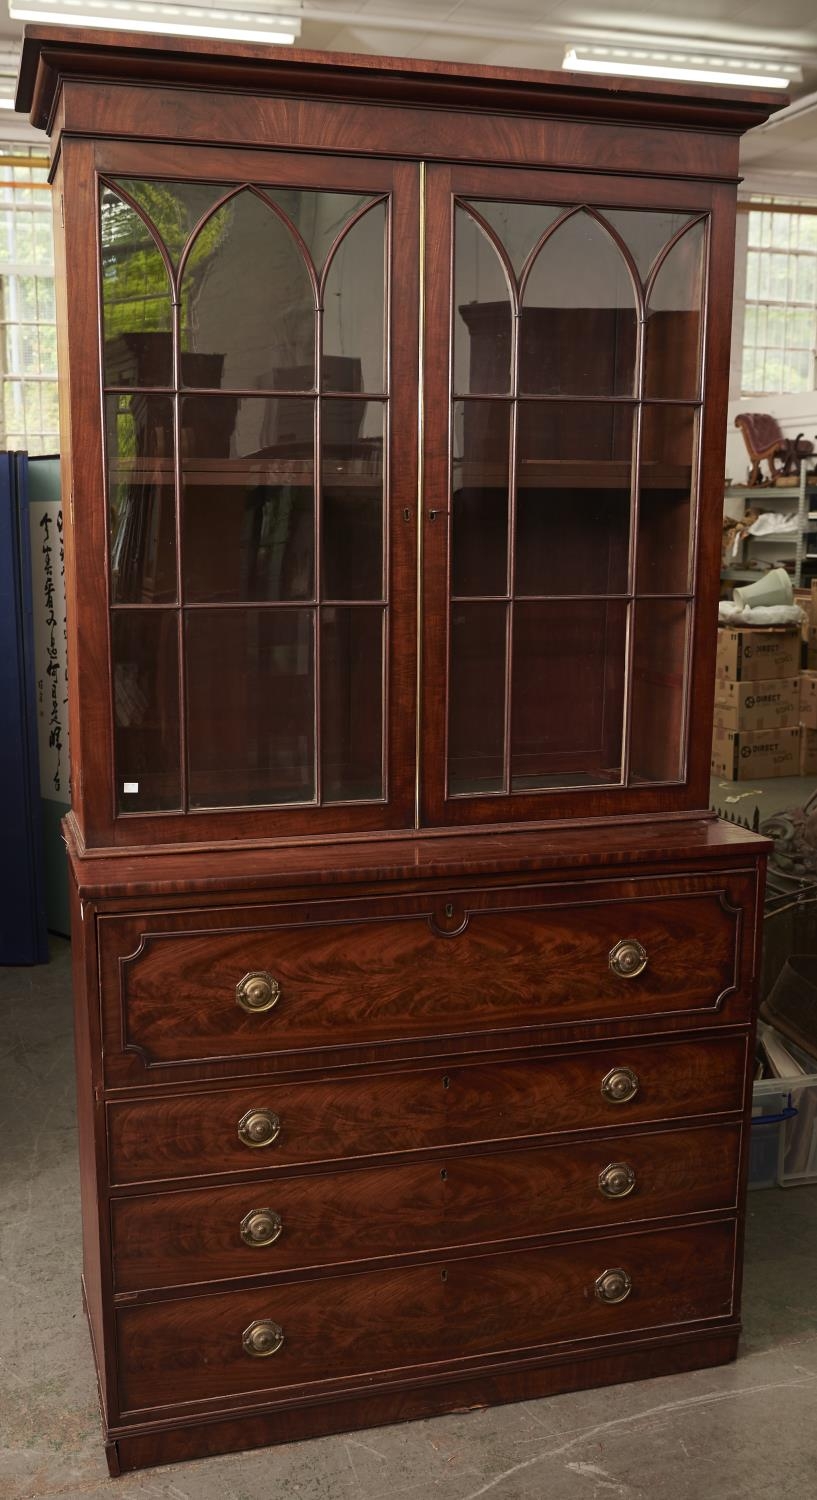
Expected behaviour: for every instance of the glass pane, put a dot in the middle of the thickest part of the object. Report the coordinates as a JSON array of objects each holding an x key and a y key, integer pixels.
[
  {"x": 673, "y": 329},
  {"x": 577, "y": 330},
  {"x": 141, "y": 499},
  {"x": 136, "y": 310},
  {"x": 482, "y": 313},
  {"x": 805, "y": 279},
  {"x": 574, "y": 463},
  {"x": 174, "y": 208},
  {"x": 354, "y": 308},
  {"x": 247, "y": 304},
  {"x": 568, "y": 694},
  {"x": 352, "y": 704},
  {"x": 249, "y": 497},
  {"x": 352, "y": 518},
  {"x": 257, "y": 665},
  {"x": 645, "y": 232},
  {"x": 518, "y": 226},
  {"x": 476, "y": 714},
  {"x": 318, "y": 217},
  {"x": 145, "y": 651},
  {"x": 667, "y": 459},
  {"x": 659, "y": 653},
  {"x": 479, "y": 539}
]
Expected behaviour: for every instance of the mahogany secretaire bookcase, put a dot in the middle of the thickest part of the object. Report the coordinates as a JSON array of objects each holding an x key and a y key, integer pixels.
[{"x": 414, "y": 982}]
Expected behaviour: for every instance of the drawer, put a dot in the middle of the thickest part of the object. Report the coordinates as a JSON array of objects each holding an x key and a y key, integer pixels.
[
  {"x": 290, "y": 1223},
  {"x": 189, "y": 1135},
  {"x": 392, "y": 973},
  {"x": 193, "y": 1350}
]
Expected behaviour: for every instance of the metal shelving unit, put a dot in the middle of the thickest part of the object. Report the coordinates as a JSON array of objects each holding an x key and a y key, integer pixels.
[{"x": 773, "y": 498}]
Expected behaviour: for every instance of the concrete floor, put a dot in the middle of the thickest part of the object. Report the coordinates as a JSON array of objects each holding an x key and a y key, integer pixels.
[
  {"x": 745, "y": 1430},
  {"x": 770, "y": 795}
]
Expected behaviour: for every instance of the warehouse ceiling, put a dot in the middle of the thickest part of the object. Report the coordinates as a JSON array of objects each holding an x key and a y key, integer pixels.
[{"x": 536, "y": 33}]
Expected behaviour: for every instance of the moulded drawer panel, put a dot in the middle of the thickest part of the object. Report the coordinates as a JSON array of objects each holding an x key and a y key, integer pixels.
[
  {"x": 206, "y": 1234},
  {"x": 386, "y": 1321},
  {"x": 188, "y": 1135},
  {"x": 498, "y": 963}
]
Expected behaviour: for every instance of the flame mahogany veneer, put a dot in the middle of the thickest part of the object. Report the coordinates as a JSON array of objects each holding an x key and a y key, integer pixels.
[{"x": 458, "y": 1159}]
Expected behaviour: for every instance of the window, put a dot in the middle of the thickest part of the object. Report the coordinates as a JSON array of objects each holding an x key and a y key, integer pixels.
[
  {"x": 780, "y": 327},
  {"x": 28, "y": 335}
]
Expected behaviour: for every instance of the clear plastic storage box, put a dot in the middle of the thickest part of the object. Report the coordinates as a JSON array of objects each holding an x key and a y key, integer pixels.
[{"x": 783, "y": 1148}]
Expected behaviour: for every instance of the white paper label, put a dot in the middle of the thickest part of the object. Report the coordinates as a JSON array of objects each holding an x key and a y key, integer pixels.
[{"x": 51, "y": 674}]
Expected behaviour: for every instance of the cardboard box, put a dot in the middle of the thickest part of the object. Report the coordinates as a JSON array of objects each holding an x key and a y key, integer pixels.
[
  {"x": 755, "y": 755},
  {"x": 811, "y": 648},
  {"x": 808, "y": 699},
  {"x": 808, "y": 752},
  {"x": 807, "y": 600},
  {"x": 768, "y": 704},
  {"x": 750, "y": 654}
]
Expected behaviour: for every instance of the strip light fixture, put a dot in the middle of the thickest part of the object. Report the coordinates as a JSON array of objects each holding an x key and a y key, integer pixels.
[
  {"x": 229, "y": 20},
  {"x": 685, "y": 67}
]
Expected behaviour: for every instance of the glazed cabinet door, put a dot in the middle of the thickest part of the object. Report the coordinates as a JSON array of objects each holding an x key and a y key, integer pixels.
[
  {"x": 258, "y": 347},
  {"x": 564, "y": 403}
]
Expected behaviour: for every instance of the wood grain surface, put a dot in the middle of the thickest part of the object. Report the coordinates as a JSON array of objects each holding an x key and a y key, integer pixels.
[
  {"x": 196, "y": 1134},
  {"x": 175, "y": 1239},
  {"x": 382, "y": 1321},
  {"x": 459, "y": 970}
]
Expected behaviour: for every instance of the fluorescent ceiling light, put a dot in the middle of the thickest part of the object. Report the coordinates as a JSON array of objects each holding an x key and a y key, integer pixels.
[
  {"x": 230, "y": 20},
  {"x": 685, "y": 69}
]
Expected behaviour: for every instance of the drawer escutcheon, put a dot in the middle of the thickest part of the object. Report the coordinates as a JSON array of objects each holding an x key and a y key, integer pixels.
[
  {"x": 261, "y": 1226},
  {"x": 619, "y": 1085},
  {"x": 257, "y": 991},
  {"x": 258, "y": 1127},
  {"x": 262, "y": 1338},
  {"x": 628, "y": 958},
  {"x": 617, "y": 1179},
  {"x": 613, "y": 1286}
]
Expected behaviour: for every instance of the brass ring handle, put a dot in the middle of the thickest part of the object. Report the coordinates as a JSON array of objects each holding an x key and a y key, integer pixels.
[
  {"x": 613, "y": 1286},
  {"x": 261, "y": 1226},
  {"x": 617, "y": 1179},
  {"x": 627, "y": 958},
  {"x": 262, "y": 1338},
  {"x": 257, "y": 991},
  {"x": 258, "y": 1127},
  {"x": 619, "y": 1085}
]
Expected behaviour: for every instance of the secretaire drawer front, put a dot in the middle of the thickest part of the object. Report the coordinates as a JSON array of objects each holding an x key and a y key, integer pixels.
[
  {"x": 294, "y": 1334},
  {"x": 264, "y": 1125},
  {"x": 491, "y": 962},
  {"x": 290, "y": 1223}
]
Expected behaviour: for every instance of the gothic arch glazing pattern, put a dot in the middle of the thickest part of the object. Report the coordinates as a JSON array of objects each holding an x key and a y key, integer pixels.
[
  {"x": 576, "y": 389},
  {"x": 244, "y": 334}
]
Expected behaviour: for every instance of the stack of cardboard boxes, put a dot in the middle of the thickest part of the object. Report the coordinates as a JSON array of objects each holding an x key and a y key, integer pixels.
[
  {"x": 807, "y": 599},
  {"x": 757, "y": 703}
]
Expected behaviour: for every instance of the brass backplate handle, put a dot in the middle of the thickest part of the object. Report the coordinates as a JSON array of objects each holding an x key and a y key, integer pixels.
[
  {"x": 617, "y": 1179},
  {"x": 258, "y": 1127},
  {"x": 261, "y": 1226},
  {"x": 628, "y": 958},
  {"x": 257, "y": 991},
  {"x": 262, "y": 1338},
  {"x": 619, "y": 1085},
  {"x": 613, "y": 1286}
]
